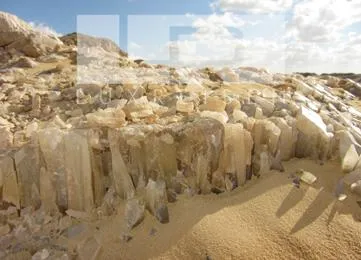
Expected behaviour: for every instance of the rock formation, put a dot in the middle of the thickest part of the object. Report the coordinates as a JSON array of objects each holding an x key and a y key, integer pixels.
[
  {"x": 157, "y": 133},
  {"x": 17, "y": 35}
]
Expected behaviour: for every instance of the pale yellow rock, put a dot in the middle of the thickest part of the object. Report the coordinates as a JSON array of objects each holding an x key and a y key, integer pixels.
[
  {"x": 20, "y": 138},
  {"x": 266, "y": 132},
  {"x": 202, "y": 169},
  {"x": 9, "y": 183},
  {"x": 110, "y": 117},
  {"x": 308, "y": 177},
  {"x": 27, "y": 164},
  {"x": 6, "y": 138},
  {"x": 138, "y": 108},
  {"x": 4, "y": 230},
  {"x": 121, "y": 179},
  {"x": 31, "y": 129},
  {"x": 58, "y": 122},
  {"x": 184, "y": 107},
  {"x": 98, "y": 162},
  {"x": 156, "y": 200},
  {"x": 53, "y": 181},
  {"x": 167, "y": 158},
  {"x": 259, "y": 113},
  {"x": 78, "y": 171},
  {"x": 236, "y": 156},
  {"x": 219, "y": 116},
  {"x": 18, "y": 35},
  {"x": 264, "y": 161},
  {"x": 239, "y": 116},
  {"x": 36, "y": 105},
  {"x": 141, "y": 114},
  {"x": 47, "y": 192},
  {"x": 350, "y": 160},
  {"x": 213, "y": 104},
  {"x": 287, "y": 143},
  {"x": 310, "y": 123},
  {"x": 233, "y": 106}
]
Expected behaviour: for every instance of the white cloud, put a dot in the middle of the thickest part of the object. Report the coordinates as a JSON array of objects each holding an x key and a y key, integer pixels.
[
  {"x": 42, "y": 27},
  {"x": 322, "y": 21},
  {"x": 314, "y": 39},
  {"x": 253, "y": 6},
  {"x": 342, "y": 56},
  {"x": 219, "y": 41}
]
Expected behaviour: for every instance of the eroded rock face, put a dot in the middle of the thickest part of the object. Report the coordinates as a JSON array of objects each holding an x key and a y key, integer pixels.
[
  {"x": 199, "y": 146},
  {"x": 18, "y": 35}
]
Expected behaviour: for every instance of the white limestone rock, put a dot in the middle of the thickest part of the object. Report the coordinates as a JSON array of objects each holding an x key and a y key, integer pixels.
[
  {"x": 8, "y": 181},
  {"x": 138, "y": 109},
  {"x": 222, "y": 117},
  {"x": 264, "y": 161},
  {"x": 17, "y": 34},
  {"x": 78, "y": 171},
  {"x": 287, "y": 142},
  {"x": 53, "y": 181},
  {"x": 134, "y": 212},
  {"x": 310, "y": 123},
  {"x": 350, "y": 159},
  {"x": 215, "y": 104},
  {"x": 236, "y": 156},
  {"x": 110, "y": 117},
  {"x": 184, "y": 107},
  {"x": 120, "y": 175},
  {"x": 303, "y": 87},
  {"x": 356, "y": 188},
  {"x": 227, "y": 74},
  {"x": 203, "y": 137},
  {"x": 345, "y": 140},
  {"x": 266, "y": 132},
  {"x": 27, "y": 163},
  {"x": 307, "y": 177},
  {"x": 6, "y": 138},
  {"x": 156, "y": 200},
  {"x": 267, "y": 106}
]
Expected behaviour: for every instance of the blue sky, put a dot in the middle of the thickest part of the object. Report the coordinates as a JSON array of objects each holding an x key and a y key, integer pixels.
[
  {"x": 282, "y": 35},
  {"x": 62, "y": 15}
]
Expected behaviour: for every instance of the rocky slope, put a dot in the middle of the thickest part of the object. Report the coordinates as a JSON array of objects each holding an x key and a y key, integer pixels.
[
  {"x": 84, "y": 133},
  {"x": 16, "y": 35}
]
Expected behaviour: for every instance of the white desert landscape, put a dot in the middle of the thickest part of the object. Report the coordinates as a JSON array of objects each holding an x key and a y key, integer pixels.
[{"x": 171, "y": 162}]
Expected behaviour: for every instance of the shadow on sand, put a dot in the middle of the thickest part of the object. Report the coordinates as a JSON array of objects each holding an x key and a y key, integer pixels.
[
  {"x": 293, "y": 198},
  {"x": 316, "y": 208}
]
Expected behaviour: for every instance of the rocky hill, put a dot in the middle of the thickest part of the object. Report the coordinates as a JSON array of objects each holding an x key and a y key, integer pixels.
[
  {"x": 74, "y": 39},
  {"x": 84, "y": 143},
  {"x": 17, "y": 35}
]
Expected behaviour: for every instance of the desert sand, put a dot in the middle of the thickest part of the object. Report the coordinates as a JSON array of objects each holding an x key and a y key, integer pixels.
[{"x": 268, "y": 218}]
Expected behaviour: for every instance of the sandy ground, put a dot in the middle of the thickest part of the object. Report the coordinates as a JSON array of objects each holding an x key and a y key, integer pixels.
[{"x": 269, "y": 218}]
